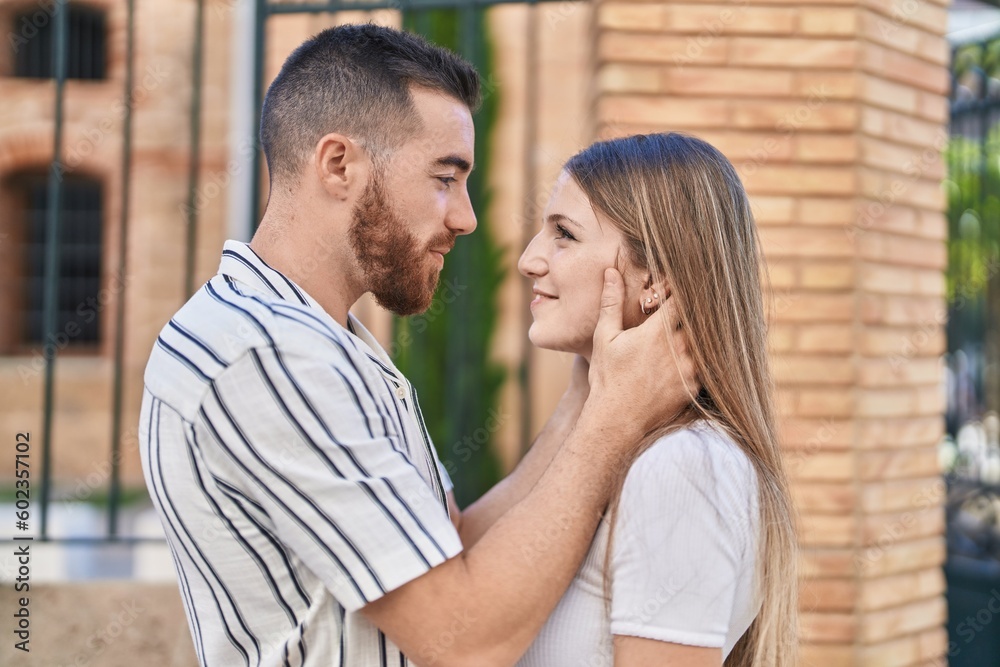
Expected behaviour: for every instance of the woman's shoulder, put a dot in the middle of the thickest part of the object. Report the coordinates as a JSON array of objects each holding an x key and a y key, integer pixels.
[
  {"x": 687, "y": 527},
  {"x": 703, "y": 448},
  {"x": 699, "y": 468}
]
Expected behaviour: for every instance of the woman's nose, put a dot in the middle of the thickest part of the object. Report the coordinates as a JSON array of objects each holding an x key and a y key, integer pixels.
[{"x": 532, "y": 262}]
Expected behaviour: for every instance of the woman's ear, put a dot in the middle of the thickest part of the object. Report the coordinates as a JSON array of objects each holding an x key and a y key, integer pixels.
[{"x": 652, "y": 295}]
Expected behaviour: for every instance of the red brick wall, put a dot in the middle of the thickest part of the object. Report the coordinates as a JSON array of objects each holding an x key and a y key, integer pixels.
[{"x": 834, "y": 113}]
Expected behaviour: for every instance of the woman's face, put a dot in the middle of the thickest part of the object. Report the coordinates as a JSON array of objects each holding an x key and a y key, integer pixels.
[{"x": 566, "y": 260}]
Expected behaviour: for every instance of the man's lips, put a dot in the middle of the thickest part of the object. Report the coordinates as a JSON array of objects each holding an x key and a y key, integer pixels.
[{"x": 439, "y": 253}]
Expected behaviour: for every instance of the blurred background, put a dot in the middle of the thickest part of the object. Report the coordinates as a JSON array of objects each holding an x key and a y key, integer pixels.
[{"x": 866, "y": 132}]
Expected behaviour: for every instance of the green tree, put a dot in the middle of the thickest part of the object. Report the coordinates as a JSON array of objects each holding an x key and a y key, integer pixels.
[
  {"x": 973, "y": 190},
  {"x": 446, "y": 352}
]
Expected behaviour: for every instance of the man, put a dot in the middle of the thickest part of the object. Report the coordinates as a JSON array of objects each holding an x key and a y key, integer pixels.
[{"x": 307, "y": 513}]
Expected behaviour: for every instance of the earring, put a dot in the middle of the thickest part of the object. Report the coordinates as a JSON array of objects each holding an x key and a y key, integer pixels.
[{"x": 649, "y": 300}]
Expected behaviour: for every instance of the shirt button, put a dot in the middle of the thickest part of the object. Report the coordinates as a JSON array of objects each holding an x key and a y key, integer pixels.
[{"x": 400, "y": 393}]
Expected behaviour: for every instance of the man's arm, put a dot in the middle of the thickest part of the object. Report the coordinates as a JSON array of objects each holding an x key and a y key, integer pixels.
[{"x": 485, "y": 606}]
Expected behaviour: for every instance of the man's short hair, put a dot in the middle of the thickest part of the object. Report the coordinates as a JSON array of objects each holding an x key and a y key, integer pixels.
[{"x": 355, "y": 80}]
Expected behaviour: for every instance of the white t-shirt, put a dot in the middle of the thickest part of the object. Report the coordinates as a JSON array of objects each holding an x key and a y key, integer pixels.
[{"x": 683, "y": 559}]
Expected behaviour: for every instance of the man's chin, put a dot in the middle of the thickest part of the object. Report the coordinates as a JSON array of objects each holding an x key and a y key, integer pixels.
[
  {"x": 409, "y": 304},
  {"x": 405, "y": 308}
]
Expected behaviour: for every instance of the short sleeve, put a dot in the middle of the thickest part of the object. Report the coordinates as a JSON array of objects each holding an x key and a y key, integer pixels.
[
  {"x": 315, "y": 449},
  {"x": 446, "y": 482},
  {"x": 684, "y": 537}
]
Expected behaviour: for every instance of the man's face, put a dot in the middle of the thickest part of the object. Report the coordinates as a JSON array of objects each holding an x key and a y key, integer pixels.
[{"x": 415, "y": 206}]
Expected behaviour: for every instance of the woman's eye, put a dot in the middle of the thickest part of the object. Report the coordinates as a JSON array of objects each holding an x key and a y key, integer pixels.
[{"x": 564, "y": 233}]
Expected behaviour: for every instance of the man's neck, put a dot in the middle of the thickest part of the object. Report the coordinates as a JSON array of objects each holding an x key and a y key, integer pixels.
[{"x": 315, "y": 264}]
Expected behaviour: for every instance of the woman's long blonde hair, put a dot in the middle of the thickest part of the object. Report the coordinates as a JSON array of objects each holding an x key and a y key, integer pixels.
[{"x": 686, "y": 220}]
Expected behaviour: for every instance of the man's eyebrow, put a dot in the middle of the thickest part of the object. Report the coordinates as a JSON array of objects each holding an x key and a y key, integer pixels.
[{"x": 456, "y": 161}]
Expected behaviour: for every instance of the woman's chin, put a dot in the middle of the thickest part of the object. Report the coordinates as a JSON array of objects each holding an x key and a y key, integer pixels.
[{"x": 547, "y": 340}]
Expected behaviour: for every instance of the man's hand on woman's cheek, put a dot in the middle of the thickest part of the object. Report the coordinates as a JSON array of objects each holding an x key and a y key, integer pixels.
[{"x": 645, "y": 374}]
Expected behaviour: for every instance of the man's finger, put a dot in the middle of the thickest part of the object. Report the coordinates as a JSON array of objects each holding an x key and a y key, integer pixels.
[{"x": 609, "y": 324}]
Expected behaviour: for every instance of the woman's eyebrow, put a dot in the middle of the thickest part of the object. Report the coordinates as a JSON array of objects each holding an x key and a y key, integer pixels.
[{"x": 559, "y": 217}]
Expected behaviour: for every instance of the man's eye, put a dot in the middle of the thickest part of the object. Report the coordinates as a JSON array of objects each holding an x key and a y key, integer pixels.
[
  {"x": 564, "y": 233},
  {"x": 447, "y": 180}
]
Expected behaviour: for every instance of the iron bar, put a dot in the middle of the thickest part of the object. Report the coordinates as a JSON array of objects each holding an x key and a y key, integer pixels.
[
  {"x": 114, "y": 484},
  {"x": 260, "y": 46},
  {"x": 53, "y": 229},
  {"x": 194, "y": 165},
  {"x": 415, "y": 5}
]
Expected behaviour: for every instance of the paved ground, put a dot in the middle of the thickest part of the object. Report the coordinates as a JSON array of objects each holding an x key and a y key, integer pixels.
[{"x": 100, "y": 624}]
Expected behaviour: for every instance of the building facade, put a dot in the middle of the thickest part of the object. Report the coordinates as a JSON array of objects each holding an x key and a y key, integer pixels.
[{"x": 833, "y": 111}]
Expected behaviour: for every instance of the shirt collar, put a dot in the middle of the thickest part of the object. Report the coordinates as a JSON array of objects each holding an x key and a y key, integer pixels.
[{"x": 241, "y": 263}]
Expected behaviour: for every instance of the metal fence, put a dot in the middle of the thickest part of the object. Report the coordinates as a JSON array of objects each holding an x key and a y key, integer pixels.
[
  {"x": 973, "y": 188},
  {"x": 58, "y": 55},
  {"x": 70, "y": 36},
  {"x": 972, "y": 568}
]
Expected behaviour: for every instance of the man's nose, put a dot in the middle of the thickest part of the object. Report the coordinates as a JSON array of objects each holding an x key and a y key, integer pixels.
[{"x": 462, "y": 218}]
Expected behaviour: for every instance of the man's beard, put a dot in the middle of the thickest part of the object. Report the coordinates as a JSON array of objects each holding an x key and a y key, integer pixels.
[{"x": 396, "y": 268}]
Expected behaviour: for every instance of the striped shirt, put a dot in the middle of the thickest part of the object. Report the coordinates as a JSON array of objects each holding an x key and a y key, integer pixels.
[{"x": 292, "y": 472}]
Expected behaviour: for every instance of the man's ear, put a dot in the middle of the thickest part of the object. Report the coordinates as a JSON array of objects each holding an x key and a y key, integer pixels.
[{"x": 340, "y": 164}]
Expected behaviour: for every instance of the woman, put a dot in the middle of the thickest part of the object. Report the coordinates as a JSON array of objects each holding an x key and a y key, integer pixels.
[{"x": 694, "y": 564}]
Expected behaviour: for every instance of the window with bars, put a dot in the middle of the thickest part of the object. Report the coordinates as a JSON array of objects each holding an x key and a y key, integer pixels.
[
  {"x": 78, "y": 316},
  {"x": 86, "y": 53}
]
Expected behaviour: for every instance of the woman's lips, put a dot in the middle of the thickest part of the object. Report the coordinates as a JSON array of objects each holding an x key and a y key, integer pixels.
[{"x": 541, "y": 298}]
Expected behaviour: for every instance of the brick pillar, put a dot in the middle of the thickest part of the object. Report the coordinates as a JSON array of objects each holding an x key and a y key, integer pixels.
[{"x": 835, "y": 115}]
